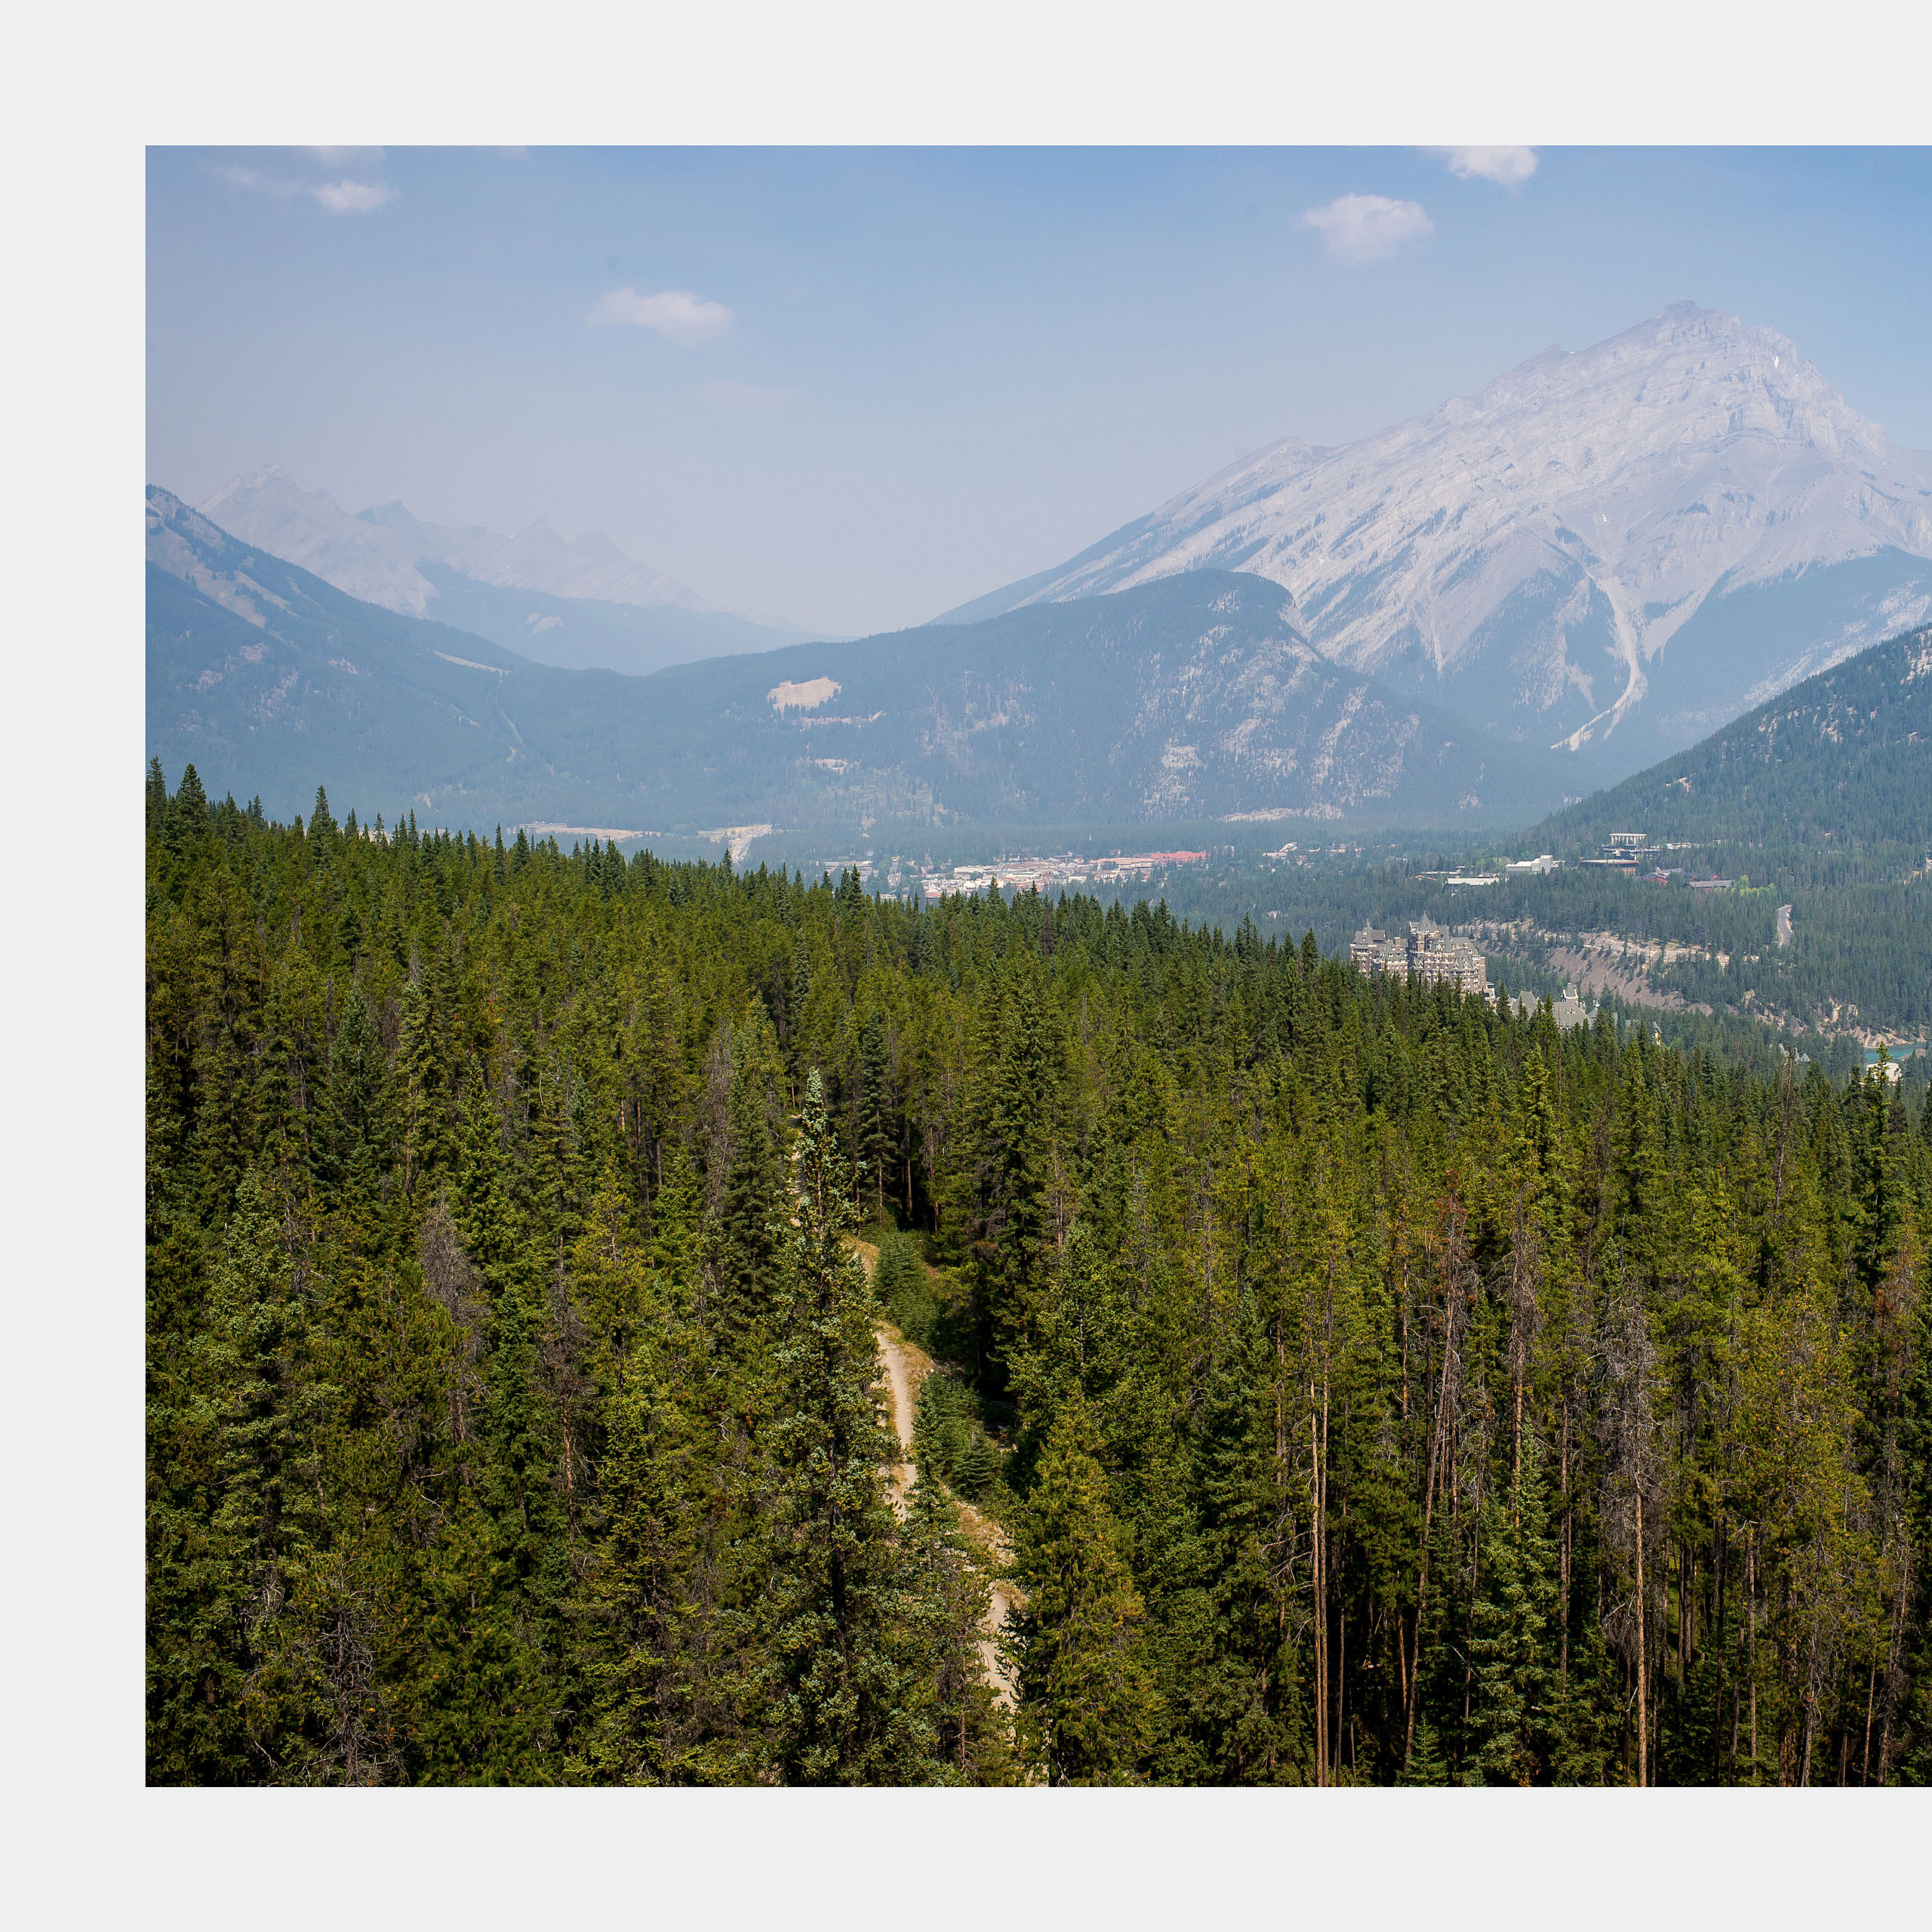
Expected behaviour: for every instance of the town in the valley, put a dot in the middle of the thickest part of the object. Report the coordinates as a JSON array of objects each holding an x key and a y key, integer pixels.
[
  {"x": 896, "y": 878},
  {"x": 1599, "y": 962}
]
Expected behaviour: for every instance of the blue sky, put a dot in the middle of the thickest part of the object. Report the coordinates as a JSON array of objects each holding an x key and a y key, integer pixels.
[{"x": 850, "y": 387}]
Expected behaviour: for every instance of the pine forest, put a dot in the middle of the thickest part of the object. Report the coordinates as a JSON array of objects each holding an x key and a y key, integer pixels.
[{"x": 1320, "y": 1380}]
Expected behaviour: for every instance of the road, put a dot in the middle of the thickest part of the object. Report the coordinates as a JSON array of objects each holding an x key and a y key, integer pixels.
[{"x": 1784, "y": 925}]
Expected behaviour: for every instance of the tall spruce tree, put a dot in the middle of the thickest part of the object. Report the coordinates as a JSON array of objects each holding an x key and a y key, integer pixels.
[
  {"x": 875, "y": 1111},
  {"x": 1244, "y": 1686},
  {"x": 1513, "y": 1635},
  {"x": 1087, "y": 1697},
  {"x": 841, "y": 1688},
  {"x": 754, "y": 1182}
]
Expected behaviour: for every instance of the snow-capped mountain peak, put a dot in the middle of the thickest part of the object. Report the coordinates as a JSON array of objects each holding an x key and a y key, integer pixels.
[{"x": 1621, "y": 546}]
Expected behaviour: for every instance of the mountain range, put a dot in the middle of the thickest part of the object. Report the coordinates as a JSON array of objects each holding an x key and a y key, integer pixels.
[
  {"x": 1593, "y": 563},
  {"x": 1191, "y": 698},
  {"x": 577, "y": 605},
  {"x": 1620, "y": 549}
]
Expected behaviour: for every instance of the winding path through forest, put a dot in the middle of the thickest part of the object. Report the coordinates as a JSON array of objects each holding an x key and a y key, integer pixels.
[
  {"x": 905, "y": 1366},
  {"x": 899, "y": 1386}
]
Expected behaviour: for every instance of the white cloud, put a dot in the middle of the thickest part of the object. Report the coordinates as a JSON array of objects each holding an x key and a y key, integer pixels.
[
  {"x": 348, "y": 157},
  {"x": 1508, "y": 168},
  {"x": 343, "y": 197},
  {"x": 1364, "y": 228},
  {"x": 352, "y": 197},
  {"x": 246, "y": 177},
  {"x": 676, "y": 314}
]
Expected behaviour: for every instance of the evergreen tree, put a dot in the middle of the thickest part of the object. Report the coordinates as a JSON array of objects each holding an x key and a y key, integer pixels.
[
  {"x": 940, "y": 1428},
  {"x": 1512, "y": 1635},
  {"x": 656, "y": 1706},
  {"x": 875, "y": 1138},
  {"x": 356, "y": 1126},
  {"x": 157, "y": 799},
  {"x": 270, "y": 1409},
  {"x": 423, "y": 1125},
  {"x": 1427, "y": 1767},
  {"x": 1086, "y": 1699},
  {"x": 900, "y": 1284},
  {"x": 1004, "y": 1196},
  {"x": 1394, "y": 1388},
  {"x": 840, "y": 1682},
  {"x": 528, "y": 1557},
  {"x": 752, "y": 1215},
  {"x": 485, "y": 1216},
  {"x": 1244, "y": 1679},
  {"x": 185, "y": 834}
]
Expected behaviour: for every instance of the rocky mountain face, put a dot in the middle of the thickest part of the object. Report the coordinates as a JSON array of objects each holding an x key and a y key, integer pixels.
[
  {"x": 578, "y": 604},
  {"x": 1618, "y": 549},
  {"x": 1191, "y": 699}
]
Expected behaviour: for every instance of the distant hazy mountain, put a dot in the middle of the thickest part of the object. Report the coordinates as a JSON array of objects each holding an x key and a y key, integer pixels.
[
  {"x": 576, "y": 604},
  {"x": 1192, "y": 699},
  {"x": 271, "y": 681},
  {"x": 1841, "y": 762},
  {"x": 1622, "y": 548}
]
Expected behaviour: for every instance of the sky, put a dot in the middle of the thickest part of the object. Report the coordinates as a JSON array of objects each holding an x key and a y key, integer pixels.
[{"x": 848, "y": 389}]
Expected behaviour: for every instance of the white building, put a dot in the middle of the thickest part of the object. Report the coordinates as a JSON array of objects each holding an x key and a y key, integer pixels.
[{"x": 1430, "y": 952}]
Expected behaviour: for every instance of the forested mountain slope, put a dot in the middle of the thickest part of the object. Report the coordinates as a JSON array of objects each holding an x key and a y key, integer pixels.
[
  {"x": 1194, "y": 699},
  {"x": 1189, "y": 700},
  {"x": 1382, "y": 1387},
  {"x": 270, "y": 678},
  {"x": 1841, "y": 762}
]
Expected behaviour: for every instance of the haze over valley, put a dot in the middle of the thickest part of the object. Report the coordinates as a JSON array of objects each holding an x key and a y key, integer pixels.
[
  {"x": 581, "y": 604},
  {"x": 1599, "y": 558},
  {"x": 1192, "y": 699}
]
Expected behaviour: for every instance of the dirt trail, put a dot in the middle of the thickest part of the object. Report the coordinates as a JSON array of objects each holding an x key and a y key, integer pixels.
[
  {"x": 999, "y": 1611},
  {"x": 903, "y": 1377},
  {"x": 906, "y": 1365}
]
